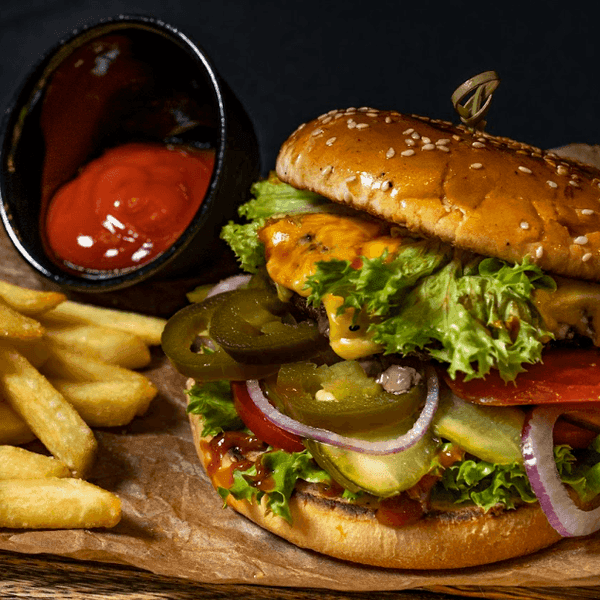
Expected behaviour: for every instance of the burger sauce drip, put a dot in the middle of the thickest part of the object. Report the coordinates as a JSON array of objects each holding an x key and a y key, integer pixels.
[
  {"x": 127, "y": 206},
  {"x": 409, "y": 506},
  {"x": 220, "y": 445}
]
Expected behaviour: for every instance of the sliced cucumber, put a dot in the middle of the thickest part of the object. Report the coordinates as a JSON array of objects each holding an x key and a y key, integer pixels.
[{"x": 492, "y": 433}]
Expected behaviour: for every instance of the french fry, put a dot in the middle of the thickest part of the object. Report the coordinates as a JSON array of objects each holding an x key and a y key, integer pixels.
[
  {"x": 146, "y": 327},
  {"x": 53, "y": 420},
  {"x": 15, "y": 325},
  {"x": 105, "y": 403},
  {"x": 13, "y": 430},
  {"x": 18, "y": 463},
  {"x": 35, "y": 351},
  {"x": 56, "y": 503},
  {"x": 113, "y": 346},
  {"x": 29, "y": 302},
  {"x": 72, "y": 366}
]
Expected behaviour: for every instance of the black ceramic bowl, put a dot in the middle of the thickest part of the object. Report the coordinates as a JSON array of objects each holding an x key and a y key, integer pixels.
[{"x": 185, "y": 103}]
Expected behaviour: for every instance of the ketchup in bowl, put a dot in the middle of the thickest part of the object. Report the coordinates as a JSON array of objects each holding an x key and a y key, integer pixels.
[{"x": 127, "y": 206}]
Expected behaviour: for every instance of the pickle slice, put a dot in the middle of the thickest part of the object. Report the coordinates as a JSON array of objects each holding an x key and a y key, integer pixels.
[
  {"x": 382, "y": 476},
  {"x": 492, "y": 433}
]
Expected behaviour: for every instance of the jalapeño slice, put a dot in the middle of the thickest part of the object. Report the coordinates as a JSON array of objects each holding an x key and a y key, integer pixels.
[
  {"x": 255, "y": 327},
  {"x": 210, "y": 363}
]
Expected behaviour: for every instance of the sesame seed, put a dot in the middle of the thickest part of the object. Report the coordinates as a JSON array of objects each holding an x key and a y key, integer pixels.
[
  {"x": 330, "y": 141},
  {"x": 328, "y": 169},
  {"x": 456, "y": 137},
  {"x": 562, "y": 170},
  {"x": 442, "y": 142},
  {"x": 317, "y": 132},
  {"x": 326, "y": 119},
  {"x": 409, "y": 142},
  {"x": 351, "y": 123},
  {"x": 362, "y": 126},
  {"x": 587, "y": 256},
  {"x": 476, "y": 166},
  {"x": 351, "y": 178},
  {"x": 428, "y": 147},
  {"x": 386, "y": 185},
  {"x": 339, "y": 115},
  {"x": 524, "y": 225},
  {"x": 364, "y": 109},
  {"x": 524, "y": 170},
  {"x": 552, "y": 184},
  {"x": 443, "y": 148},
  {"x": 388, "y": 119},
  {"x": 426, "y": 140},
  {"x": 539, "y": 252},
  {"x": 407, "y": 153},
  {"x": 415, "y": 136},
  {"x": 371, "y": 114},
  {"x": 587, "y": 211},
  {"x": 390, "y": 153},
  {"x": 574, "y": 183},
  {"x": 408, "y": 131},
  {"x": 581, "y": 240},
  {"x": 478, "y": 145}
]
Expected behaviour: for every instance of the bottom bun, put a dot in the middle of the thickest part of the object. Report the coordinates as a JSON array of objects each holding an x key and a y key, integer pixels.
[{"x": 442, "y": 540}]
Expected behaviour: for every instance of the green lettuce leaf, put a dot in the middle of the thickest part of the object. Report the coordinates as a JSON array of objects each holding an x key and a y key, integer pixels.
[
  {"x": 474, "y": 314},
  {"x": 214, "y": 403},
  {"x": 285, "y": 469},
  {"x": 380, "y": 284},
  {"x": 271, "y": 197},
  {"x": 487, "y": 484}
]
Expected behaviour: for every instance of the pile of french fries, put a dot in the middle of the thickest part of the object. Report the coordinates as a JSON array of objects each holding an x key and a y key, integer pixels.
[{"x": 65, "y": 367}]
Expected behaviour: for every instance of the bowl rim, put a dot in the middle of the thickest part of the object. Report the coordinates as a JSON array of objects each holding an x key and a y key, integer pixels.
[{"x": 28, "y": 92}]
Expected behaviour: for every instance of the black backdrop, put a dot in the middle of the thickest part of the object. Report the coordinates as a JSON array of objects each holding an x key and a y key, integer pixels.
[{"x": 289, "y": 61}]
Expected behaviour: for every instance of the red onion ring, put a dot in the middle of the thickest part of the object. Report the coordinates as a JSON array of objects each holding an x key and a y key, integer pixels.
[
  {"x": 325, "y": 436},
  {"x": 538, "y": 455},
  {"x": 228, "y": 285}
]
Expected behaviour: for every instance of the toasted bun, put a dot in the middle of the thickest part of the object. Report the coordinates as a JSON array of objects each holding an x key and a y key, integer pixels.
[
  {"x": 452, "y": 540},
  {"x": 486, "y": 194}
]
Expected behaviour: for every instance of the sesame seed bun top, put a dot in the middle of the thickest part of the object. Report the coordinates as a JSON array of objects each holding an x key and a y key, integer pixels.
[{"x": 483, "y": 193}]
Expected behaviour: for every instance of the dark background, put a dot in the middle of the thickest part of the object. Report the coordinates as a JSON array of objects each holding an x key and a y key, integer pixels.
[{"x": 291, "y": 61}]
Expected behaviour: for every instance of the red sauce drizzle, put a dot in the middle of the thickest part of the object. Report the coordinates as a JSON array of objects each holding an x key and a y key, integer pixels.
[{"x": 220, "y": 445}]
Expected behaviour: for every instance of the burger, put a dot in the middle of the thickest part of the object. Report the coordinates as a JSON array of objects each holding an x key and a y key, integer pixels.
[{"x": 407, "y": 374}]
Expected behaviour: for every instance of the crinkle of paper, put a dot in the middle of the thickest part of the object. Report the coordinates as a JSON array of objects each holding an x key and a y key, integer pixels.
[{"x": 174, "y": 523}]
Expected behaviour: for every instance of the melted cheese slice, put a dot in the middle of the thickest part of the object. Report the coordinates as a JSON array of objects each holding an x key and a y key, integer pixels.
[
  {"x": 575, "y": 304},
  {"x": 294, "y": 244}
]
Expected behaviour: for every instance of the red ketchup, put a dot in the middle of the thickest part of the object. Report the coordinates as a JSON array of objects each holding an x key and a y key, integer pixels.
[{"x": 127, "y": 206}]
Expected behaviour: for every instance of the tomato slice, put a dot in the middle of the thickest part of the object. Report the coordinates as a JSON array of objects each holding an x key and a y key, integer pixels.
[
  {"x": 259, "y": 424},
  {"x": 565, "y": 375},
  {"x": 573, "y": 435}
]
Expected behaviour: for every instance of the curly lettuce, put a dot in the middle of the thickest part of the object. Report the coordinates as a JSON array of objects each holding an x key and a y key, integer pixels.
[
  {"x": 474, "y": 314},
  {"x": 486, "y": 484}
]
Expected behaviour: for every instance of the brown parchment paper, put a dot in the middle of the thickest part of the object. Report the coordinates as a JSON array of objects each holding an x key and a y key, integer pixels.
[{"x": 173, "y": 521}]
